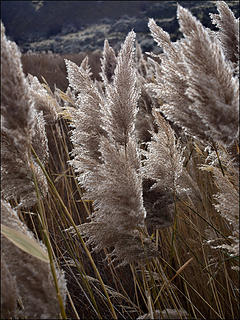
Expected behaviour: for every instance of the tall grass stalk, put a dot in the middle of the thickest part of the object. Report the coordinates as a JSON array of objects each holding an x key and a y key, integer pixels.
[
  {"x": 44, "y": 228},
  {"x": 72, "y": 223}
]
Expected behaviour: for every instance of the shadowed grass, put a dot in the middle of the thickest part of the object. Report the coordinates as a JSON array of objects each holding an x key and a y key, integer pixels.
[{"x": 183, "y": 277}]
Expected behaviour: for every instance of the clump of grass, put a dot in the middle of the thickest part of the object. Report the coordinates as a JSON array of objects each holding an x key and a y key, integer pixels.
[{"x": 164, "y": 204}]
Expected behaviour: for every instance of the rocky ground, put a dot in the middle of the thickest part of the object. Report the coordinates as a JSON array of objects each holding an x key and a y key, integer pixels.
[{"x": 75, "y": 26}]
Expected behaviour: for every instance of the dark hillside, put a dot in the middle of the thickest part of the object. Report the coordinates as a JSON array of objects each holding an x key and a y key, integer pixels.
[
  {"x": 25, "y": 22},
  {"x": 73, "y": 26}
]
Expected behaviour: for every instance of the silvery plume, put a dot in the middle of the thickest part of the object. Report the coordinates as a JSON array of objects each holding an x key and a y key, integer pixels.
[
  {"x": 162, "y": 169},
  {"x": 21, "y": 127},
  {"x": 106, "y": 156},
  {"x": 196, "y": 81}
]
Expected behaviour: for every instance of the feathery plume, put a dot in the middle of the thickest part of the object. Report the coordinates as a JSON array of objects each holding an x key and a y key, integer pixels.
[
  {"x": 161, "y": 169},
  {"x": 196, "y": 82},
  {"x": 164, "y": 159},
  {"x": 228, "y": 33},
  {"x": 144, "y": 119},
  {"x": 226, "y": 203},
  {"x": 15, "y": 92},
  {"x": 115, "y": 188},
  {"x": 20, "y": 127},
  {"x": 38, "y": 293},
  {"x": 111, "y": 177},
  {"x": 170, "y": 84},
  {"x": 142, "y": 65},
  {"x": 108, "y": 63},
  {"x": 120, "y": 107},
  {"x": 39, "y": 137},
  {"x": 86, "y": 117},
  {"x": 43, "y": 101},
  {"x": 79, "y": 77},
  {"x": 47, "y": 106},
  {"x": 8, "y": 292},
  {"x": 211, "y": 85}
]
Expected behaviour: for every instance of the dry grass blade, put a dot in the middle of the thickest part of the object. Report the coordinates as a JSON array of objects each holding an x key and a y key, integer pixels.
[{"x": 25, "y": 243}]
